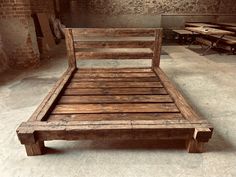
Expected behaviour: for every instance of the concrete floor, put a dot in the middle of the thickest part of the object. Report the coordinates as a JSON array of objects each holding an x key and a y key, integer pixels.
[{"x": 207, "y": 82}]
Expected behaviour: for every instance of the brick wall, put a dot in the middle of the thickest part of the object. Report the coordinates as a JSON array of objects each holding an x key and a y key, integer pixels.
[
  {"x": 17, "y": 31},
  {"x": 42, "y": 6}
]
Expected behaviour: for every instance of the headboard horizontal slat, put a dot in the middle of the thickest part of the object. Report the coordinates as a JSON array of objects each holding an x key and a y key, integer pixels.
[
  {"x": 114, "y": 55},
  {"x": 113, "y": 44},
  {"x": 121, "y": 32}
]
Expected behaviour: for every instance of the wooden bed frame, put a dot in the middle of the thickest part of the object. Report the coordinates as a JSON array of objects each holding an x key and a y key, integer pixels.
[{"x": 124, "y": 103}]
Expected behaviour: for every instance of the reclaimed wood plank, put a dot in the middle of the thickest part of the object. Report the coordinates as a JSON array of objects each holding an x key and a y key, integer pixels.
[
  {"x": 116, "y": 79},
  {"x": 114, "y": 108},
  {"x": 116, "y": 99},
  {"x": 115, "y": 70},
  {"x": 70, "y": 48},
  {"x": 116, "y": 91},
  {"x": 179, "y": 100},
  {"x": 115, "y": 85},
  {"x": 45, "y": 107},
  {"x": 114, "y": 55},
  {"x": 114, "y": 44},
  {"x": 157, "y": 48},
  {"x": 113, "y": 75},
  {"x": 120, "y": 32},
  {"x": 116, "y": 116}
]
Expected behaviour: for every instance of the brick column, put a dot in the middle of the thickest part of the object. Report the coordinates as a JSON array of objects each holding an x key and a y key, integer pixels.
[{"x": 18, "y": 34}]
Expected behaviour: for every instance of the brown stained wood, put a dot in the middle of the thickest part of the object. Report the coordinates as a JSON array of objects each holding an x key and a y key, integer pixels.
[
  {"x": 113, "y": 75},
  {"x": 157, "y": 48},
  {"x": 116, "y": 91},
  {"x": 115, "y": 85},
  {"x": 193, "y": 146},
  {"x": 179, "y": 100},
  {"x": 114, "y": 44},
  {"x": 70, "y": 48},
  {"x": 35, "y": 149},
  {"x": 114, "y": 108},
  {"x": 114, "y": 55},
  {"x": 113, "y": 32},
  {"x": 116, "y": 99},
  {"x": 115, "y": 70},
  {"x": 124, "y": 103},
  {"x": 159, "y": 129},
  {"x": 45, "y": 107},
  {"x": 117, "y": 116},
  {"x": 116, "y": 79}
]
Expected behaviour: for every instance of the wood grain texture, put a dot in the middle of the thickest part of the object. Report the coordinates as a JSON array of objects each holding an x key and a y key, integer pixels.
[
  {"x": 113, "y": 44},
  {"x": 114, "y": 55},
  {"x": 121, "y": 32},
  {"x": 179, "y": 100},
  {"x": 116, "y": 99},
  {"x": 113, "y": 75},
  {"x": 157, "y": 49},
  {"x": 115, "y": 116},
  {"x": 114, "y": 108},
  {"x": 46, "y": 106},
  {"x": 109, "y": 84},
  {"x": 70, "y": 48},
  {"x": 115, "y": 91},
  {"x": 125, "y": 103}
]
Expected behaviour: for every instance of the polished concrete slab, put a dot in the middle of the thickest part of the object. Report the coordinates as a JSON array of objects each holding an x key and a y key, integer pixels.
[{"x": 208, "y": 83}]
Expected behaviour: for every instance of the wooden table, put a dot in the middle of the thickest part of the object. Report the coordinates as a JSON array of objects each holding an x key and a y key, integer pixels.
[
  {"x": 200, "y": 25},
  {"x": 232, "y": 28},
  {"x": 227, "y": 24},
  {"x": 206, "y": 31}
]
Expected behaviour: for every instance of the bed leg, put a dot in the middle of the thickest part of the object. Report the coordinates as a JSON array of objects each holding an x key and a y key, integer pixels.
[
  {"x": 35, "y": 149},
  {"x": 193, "y": 146}
]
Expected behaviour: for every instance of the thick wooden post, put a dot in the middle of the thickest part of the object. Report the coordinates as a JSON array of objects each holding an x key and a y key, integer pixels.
[
  {"x": 193, "y": 146},
  {"x": 70, "y": 48},
  {"x": 157, "y": 48},
  {"x": 35, "y": 149}
]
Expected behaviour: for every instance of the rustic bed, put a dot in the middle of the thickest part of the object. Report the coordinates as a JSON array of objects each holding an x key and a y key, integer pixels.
[{"x": 114, "y": 103}]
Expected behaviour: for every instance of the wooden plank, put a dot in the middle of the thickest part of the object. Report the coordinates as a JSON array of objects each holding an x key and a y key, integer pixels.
[
  {"x": 159, "y": 129},
  {"x": 116, "y": 79},
  {"x": 116, "y": 99},
  {"x": 114, "y": 44},
  {"x": 112, "y": 75},
  {"x": 115, "y": 70},
  {"x": 179, "y": 100},
  {"x": 116, "y": 91},
  {"x": 157, "y": 48},
  {"x": 114, "y": 108},
  {"x": 70, "y": 48},
  {"x": 116, "y": 116},
  {"x": 121, "y": 32},
  {"x": 114, "y": 85},
  {"x": 114, "y": 55},
  {"x": 45, "y": 107}
]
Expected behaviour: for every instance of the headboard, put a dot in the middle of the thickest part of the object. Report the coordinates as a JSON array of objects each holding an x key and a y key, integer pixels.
[{"x": 113, "y": 43}]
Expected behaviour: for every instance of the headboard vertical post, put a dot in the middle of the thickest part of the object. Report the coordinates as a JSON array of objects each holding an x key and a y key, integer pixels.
[
  {"x": 157, "y": 48},
  {"x": 70, "y": 48}
]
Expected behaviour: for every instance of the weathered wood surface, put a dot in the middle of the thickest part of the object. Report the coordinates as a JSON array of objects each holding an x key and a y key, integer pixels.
[
  {"x": 111, "y": 84},
  {"x": 46, "y": 106},
  {"x": 70, "y": 48},
  {"x": 116, "y": 99},
  {"x": 115, "y": 116},
  {"x": 120, "y": 32},
  {"x": 125, "y": 103},
  {"x": 114, "y": 108},
  {"x": 116, "y": 91}
]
